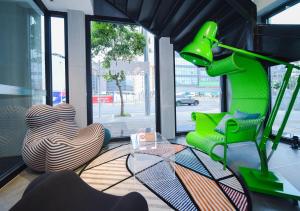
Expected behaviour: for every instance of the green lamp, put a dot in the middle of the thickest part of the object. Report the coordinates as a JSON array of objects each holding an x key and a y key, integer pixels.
[{"x": 199, "y": 52}]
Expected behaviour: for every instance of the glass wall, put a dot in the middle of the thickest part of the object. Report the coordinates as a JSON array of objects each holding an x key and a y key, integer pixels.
[
  {"x": 293, "y": 125},
  {"x": 22, "y": 81},
  {"x": 290, "y": 15},
  {"x": 195, "y": 91},
  {"x": 123, "y": 77},
  {"x": 58, "y": 60}
]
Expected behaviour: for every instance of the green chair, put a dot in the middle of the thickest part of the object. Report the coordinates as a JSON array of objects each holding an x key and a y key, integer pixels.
[{"x": 249, "y": 93}]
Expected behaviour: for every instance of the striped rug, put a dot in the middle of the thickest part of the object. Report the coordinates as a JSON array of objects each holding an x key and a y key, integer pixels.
[{"x": 192, "y": 182}]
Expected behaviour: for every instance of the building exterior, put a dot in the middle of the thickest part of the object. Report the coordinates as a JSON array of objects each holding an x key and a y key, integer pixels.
[
  {"x": 134, "y": 85},
  {"x": 190, "y": 78}
]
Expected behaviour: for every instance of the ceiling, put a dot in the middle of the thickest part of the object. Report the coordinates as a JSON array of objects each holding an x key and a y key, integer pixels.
[
  {"x": 180, "y": 20},
  {"x": 63, "y": 5}
]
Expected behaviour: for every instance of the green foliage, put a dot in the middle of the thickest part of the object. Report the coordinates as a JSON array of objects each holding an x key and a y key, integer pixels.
[
  {"x": 116, "y": 42},
  {"x": 118, "y": 77}
]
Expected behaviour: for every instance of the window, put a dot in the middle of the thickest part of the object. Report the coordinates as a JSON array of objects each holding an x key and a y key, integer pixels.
[
  {"x": 195, "y": 91},
  {"x": 293, "y": 127},
  {"x": 58, "y": 59},
  {"x": 22, "y": 75},
  {"x": 290, "y": 15},
  {"x": 123, "y": 85}
]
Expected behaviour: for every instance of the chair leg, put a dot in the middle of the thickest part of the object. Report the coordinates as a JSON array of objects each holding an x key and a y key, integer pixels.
[{"x": 225, "y": 157}]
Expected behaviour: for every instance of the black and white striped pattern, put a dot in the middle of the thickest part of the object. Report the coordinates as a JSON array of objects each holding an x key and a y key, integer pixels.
[
  {"x": 233, "y": 183},
  {"x": 240, "y": 200},
  {"x": 53, "y": 141}
]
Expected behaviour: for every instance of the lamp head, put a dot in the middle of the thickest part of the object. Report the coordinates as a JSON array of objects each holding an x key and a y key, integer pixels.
[{"x": 199, "y": 51}]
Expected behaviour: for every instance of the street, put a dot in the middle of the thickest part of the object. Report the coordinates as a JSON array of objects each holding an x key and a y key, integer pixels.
[{"x": 107, "y": 114}]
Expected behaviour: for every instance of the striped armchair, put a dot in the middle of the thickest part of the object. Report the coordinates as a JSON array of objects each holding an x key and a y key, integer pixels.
[{"x": 54, "y": 142}]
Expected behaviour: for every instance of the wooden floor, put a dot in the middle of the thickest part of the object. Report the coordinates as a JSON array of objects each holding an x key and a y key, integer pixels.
[{"x": 285, "y": 161}]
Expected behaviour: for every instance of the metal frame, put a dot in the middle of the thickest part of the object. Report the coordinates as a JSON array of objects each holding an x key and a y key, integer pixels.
[
  {"x": 88, "y": 19},
  {"x": 157, "y": 84},
  {"x": 48, "y": 58},
  {"x": 63, "y": 15}
]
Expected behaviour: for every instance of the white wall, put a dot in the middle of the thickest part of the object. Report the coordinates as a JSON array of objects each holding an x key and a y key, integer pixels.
[
  {"x": 167, "y": 90},
  {"x": 77, "y": 65}
]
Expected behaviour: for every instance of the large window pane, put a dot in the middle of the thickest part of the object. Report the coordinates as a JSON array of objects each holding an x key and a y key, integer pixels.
[
  {"x": 293, "y": 125},
  {"x": 136, "y": 78},
  {"x": 290, "y": 15},
  {"x": 22, "y": 75},
  {"x": 195, "y": 91},
  {"x": 58, "y": 60}
]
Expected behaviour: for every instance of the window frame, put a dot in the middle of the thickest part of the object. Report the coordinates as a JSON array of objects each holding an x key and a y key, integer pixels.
[{"x": 49, "y": 80}]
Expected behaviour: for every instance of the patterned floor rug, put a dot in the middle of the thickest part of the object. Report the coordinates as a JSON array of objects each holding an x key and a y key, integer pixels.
[{"x": 194, "y": 182}]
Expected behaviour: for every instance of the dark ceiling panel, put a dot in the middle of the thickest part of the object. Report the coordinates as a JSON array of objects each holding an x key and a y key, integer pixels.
[
  {"x": 181, "y": 19},
  {"x": 161, "y": 14},
  {"x": 121, "y": 5},
  {"x": 193, "y": 26},
  {"x": 179, "y": 16},
  {"x": 134, "y": 8},
  {"x": 282, "y": 41},
  {"x": 106, "y": 8},
  {"x": 148, "y": 11}
]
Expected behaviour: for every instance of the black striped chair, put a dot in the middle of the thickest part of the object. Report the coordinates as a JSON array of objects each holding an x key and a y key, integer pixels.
[{"x": 54, "y": 142}]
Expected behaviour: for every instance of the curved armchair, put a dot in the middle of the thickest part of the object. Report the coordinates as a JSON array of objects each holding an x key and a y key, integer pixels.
[
  {"x": 249, "y": 93},
  {"x": 53, "y": 141}
]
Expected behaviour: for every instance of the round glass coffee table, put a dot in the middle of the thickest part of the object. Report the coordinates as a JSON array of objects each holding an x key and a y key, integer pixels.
[{"x": 149, "y": 147}]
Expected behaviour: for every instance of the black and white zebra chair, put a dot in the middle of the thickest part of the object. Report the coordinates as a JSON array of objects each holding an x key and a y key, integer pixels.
[{"x": 54, "y": 142}]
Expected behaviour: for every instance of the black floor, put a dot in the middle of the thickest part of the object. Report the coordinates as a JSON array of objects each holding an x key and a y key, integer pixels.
[{"x": 285, "y": 161}]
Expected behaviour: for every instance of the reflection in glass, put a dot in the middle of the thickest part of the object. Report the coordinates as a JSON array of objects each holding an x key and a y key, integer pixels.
[
  {"x": 22, "y": 81},
  {"x": 195, "y": 91},
  {"x": 293, "y": 125}
]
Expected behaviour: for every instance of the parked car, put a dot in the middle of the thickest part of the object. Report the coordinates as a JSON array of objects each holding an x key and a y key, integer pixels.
[{"x": 186, "y": 100}]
